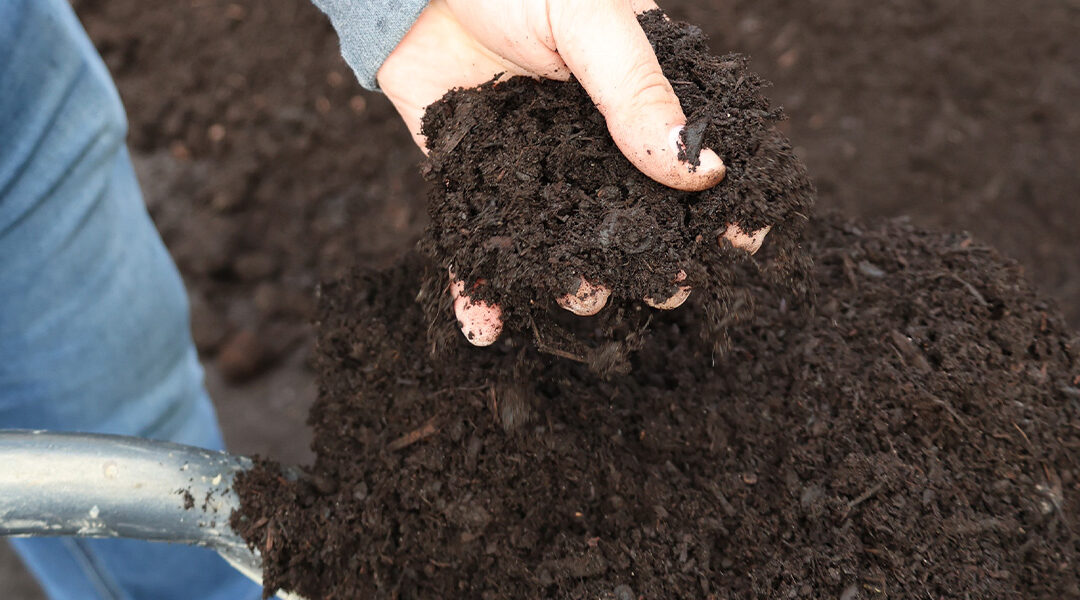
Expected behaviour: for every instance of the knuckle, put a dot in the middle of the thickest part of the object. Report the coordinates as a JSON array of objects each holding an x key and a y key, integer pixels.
[{"x": 644, "y": 88}]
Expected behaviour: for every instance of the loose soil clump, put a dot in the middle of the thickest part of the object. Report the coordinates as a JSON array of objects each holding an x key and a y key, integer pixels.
[
  {"x": 914, "y": 436},
  {"x": 531, "y": 194}
]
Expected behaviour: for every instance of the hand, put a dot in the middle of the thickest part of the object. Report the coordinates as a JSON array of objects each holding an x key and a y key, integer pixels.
[{"x": 464, "y": 43}]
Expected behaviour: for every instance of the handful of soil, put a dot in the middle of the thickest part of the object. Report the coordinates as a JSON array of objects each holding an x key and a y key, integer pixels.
[
  {"x": 914, "y": 437},
  {"x": 531, "y": 194}
]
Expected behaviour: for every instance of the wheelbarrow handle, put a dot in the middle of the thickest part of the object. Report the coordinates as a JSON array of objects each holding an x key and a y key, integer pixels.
[{"x": 91, "y": 485}]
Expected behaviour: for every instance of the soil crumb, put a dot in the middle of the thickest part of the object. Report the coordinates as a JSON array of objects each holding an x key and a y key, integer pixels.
[
  {"x": 189, "y": 500},
  {"x": 530, "y": 194},
  {"x": 914, "y": 436}
]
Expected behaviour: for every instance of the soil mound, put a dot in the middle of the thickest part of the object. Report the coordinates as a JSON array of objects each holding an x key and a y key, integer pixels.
[
  {"x": 530, "y": 192},
  {"x": 913, "y": 437}
]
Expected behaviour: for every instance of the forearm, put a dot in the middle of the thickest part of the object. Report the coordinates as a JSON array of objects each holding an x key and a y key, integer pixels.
[{"x": 369, "y": 31}]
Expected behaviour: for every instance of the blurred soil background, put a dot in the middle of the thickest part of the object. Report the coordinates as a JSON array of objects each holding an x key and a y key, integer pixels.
[{"x": 268, "y": 169}]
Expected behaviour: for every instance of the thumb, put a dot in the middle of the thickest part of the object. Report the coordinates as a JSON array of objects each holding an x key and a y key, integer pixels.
[
  {"x": 436, "y": 55},
  {"x": 606, "y": 49}
]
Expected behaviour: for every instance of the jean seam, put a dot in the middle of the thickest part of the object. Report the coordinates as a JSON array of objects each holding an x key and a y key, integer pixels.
[{"x": 105, "y": 586}]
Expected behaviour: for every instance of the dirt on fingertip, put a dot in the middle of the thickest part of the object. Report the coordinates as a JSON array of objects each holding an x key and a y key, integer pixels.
[
  {"x": 531, "y": 195},
  {"x": 913, "y": 436}
]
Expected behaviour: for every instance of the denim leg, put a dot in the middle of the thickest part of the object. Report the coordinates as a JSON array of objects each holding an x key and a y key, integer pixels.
[{"x": 94, "y": 330}]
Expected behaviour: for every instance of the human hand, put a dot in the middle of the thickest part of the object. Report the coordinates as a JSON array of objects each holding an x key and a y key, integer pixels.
[{"x": 464, "y": 43}]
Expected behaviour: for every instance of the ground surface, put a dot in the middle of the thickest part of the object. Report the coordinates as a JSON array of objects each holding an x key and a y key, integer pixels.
[{"x": 267, "y": 168}]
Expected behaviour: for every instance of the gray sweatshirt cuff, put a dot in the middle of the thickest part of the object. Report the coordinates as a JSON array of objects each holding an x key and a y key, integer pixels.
[{"x": 369, "y": 31}]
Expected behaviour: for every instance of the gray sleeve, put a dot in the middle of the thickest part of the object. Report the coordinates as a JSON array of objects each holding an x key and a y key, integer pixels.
[{"x": 369, "y": 31}]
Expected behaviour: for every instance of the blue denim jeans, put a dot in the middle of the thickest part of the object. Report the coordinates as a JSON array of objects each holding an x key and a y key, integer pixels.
[{"x": 94, "y": 329}]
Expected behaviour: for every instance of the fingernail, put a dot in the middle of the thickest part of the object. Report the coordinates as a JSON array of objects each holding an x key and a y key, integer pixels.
[
  {"x": 708, "y": 161},
  {"x": 480, "y": 322},
  {"x": 675, "y": 139}
]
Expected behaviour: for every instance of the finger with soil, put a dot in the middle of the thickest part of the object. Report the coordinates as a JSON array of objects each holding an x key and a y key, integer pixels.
[
  {"x": 675, "y": 300},
  {"x": 529, "y": 185},
  {"x": 629, "y": 88},
  {"x": 643, "y": 6},
  {"x": 587, "y": 300},
  {"x": 751, "y": 242},
  {"x": 480, "y": 321}
]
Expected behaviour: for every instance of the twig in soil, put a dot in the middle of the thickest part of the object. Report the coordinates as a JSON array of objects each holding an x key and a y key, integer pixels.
[
  {"x": 450, "y": 390},
  {"x": 1027, "y": 440},
  {"x": 868, "y": 494},
  {"x": 970, "y": 288},
  {"x": 738, "y": 84},
  {"x": 425, "y": 430},
  {"x": 952, "y": 411},
  {"x": 542, "y": 346},
  {"x": 560, "y": 353}
]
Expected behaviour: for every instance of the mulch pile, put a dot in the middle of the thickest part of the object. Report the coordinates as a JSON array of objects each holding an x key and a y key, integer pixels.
[{"x": 914, "y": 436}]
